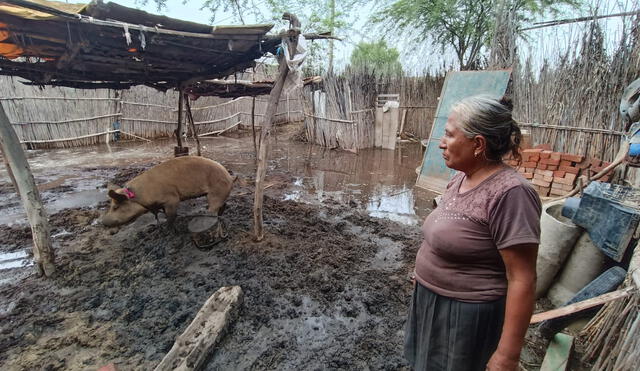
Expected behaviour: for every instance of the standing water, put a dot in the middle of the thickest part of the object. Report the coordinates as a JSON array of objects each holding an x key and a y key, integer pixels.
[{"x": 376, "y": 180}]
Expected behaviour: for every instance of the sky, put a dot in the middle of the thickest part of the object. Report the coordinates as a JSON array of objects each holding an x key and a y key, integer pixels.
[{"x": 418, "y": 58}]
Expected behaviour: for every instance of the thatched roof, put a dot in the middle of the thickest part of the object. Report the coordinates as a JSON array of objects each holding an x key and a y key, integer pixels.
[{"x": 111, "y": 46}]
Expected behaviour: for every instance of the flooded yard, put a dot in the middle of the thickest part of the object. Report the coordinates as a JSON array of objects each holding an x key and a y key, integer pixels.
[{"x": 327, "y": 287}]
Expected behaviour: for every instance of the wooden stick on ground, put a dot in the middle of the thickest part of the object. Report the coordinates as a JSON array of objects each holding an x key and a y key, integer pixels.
[
  {"x": 194, "y": 346},
  {"x": 582, "y": 305}
]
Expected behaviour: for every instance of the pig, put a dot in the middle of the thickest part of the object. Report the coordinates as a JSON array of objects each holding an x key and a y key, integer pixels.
[{"x": 162, "y": 187}]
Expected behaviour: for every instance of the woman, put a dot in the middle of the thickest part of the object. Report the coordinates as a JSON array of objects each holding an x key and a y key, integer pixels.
[{"x": 475, "y": 271}]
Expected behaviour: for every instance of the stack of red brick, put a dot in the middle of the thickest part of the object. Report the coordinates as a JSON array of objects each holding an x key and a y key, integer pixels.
[{"x": 555, "y": 173}]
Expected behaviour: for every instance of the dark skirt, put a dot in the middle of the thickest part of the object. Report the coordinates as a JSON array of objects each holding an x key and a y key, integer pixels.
[{"x": 447, "y": 334}]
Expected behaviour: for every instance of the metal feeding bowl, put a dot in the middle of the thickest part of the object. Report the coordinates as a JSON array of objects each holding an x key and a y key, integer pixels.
[{"x": 205, "y": 231}]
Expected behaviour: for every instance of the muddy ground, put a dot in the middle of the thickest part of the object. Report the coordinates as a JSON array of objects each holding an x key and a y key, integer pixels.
[{"x": 326, "y": 289}]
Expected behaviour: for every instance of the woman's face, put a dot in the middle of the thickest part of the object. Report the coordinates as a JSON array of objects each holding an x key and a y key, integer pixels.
[{"x": 457, "y": 150}]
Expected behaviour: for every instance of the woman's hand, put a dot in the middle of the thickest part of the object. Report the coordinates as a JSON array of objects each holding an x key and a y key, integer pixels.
[{"x": 501, "y": 362}]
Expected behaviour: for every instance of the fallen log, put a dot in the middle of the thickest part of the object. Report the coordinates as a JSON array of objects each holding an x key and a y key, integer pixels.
[{"x": 194, "y": 346}]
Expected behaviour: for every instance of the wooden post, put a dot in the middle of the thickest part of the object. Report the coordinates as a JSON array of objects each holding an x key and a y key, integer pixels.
[
  {"x": 179, "y": 129},
  {"x": 253, "y": 129},
  {"x": 193, "y": 124},
  {"x": 13, "y": 179},
  {"x": 26, "y": 186},
  {"x": 272, "y": 106}
]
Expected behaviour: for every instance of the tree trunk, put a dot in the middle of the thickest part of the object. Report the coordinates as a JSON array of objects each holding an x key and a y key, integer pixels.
[{"x": 26, "y": 186}]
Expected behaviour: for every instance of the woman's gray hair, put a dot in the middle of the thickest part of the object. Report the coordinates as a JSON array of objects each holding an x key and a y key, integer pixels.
[{"x": 492, "y": 119}]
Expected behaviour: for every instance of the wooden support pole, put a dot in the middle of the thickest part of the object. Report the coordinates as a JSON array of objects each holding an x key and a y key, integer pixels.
[
  {"x": 179, "y": 128},
  {"x": 193, "y": 125},
  {"x": 26, "y": 186},
  {"x": 253, "y": 129},
  {"x": 193, "y": 347},
  {"x": 267, "y": 121}
]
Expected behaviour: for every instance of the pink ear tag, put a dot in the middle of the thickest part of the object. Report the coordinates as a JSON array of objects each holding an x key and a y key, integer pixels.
[{"x": 128, "y": 193}]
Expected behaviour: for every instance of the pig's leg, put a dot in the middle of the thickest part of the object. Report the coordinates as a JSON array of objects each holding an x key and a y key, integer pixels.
[
  {"x": 217, "y": 206},
  {"x": 171, "y": 211}
]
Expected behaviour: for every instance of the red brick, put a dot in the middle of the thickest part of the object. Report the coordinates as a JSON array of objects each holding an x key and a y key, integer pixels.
[
  {"x": 542, "y": 166},
  {"x": 583, "y": 164},
  {"x": 545, "y": 155},
  {"x": 544, "y": 192},
  {"x": 529, "y": 169},
  {"x": 541, "y": 183},
  {"x": 534, "y": 157},
  {"x": 557, "y": 192},
  {"x": 552, "y": 167},
  {"x": 570, "y": 169},
  {"x": 559, "y": 173},
  {"x": 545, "y": 146},
  {"x": 527, "y": 175},
  {"x": 595, "y": 162},
  {"x": 532, "y": 150},
  {"x": 571, "y": 177},
  {"x": 556, "y": 155},
  {"x": 562, "y": 181},
  {"x": 568, "y": 187},
  {"x": 529, "y": 164},
  {"x": 572, "y": 157},
  {"x": 559, "y": 186},
  {"x": 550, "y": 161},
  {"x": 566, "y": 163},
  {"x": 544, "y": 172}
]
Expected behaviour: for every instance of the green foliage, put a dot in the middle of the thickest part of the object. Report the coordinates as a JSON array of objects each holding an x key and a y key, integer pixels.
[
  {"x": 464, "y": 25},
  {"x": 376, "y": 56}
]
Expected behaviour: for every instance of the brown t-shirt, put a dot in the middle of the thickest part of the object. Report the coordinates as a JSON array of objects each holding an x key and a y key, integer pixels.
[{"x": 459, "y": 255}]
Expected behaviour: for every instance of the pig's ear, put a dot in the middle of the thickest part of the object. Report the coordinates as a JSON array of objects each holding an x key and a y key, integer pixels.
[{"x": 118, "y": 197}]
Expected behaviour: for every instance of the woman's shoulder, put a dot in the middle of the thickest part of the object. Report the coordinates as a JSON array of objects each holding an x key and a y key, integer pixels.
[{"x": 508, "y": 179}]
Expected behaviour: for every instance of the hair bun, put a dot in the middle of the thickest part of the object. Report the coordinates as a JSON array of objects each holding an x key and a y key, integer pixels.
[{"x": 507, "y": 102}]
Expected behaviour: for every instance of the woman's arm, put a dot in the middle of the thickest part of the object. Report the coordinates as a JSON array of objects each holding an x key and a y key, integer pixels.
[{"x": 520, "y": 263}]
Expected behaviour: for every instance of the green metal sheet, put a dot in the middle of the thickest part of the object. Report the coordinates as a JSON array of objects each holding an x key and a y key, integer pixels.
[{"x": 458, "y": 85}]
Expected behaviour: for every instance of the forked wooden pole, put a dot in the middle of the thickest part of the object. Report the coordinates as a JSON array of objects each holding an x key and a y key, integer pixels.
[
  {"x": 31, "y": 201},
  {"x": 193, "y": 124},
  {"x": 267, "y": 121}
]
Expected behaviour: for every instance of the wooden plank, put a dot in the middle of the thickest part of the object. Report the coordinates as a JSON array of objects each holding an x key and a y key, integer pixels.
[
  {"x": 582, "y": 305},
  {"x": 558, "y": 353},
  {"x": 194, "y": 346}
]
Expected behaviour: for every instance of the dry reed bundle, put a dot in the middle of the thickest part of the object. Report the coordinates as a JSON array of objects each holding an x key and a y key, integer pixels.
[{"x": 574, "y": 100}]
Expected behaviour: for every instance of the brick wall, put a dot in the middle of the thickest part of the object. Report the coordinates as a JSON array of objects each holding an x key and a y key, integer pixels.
[{"x": 555, "y": 173}]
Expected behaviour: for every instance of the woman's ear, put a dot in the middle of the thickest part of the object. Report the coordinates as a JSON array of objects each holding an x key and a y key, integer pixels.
[{"x": 480, "y": 143}]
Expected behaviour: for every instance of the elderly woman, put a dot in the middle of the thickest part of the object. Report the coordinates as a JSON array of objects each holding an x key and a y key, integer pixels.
[{"x": 476, "y": 269}]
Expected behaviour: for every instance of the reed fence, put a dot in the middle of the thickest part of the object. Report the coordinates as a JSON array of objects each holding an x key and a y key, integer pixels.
[
  {"x": 341, "y": 111},
  {"x": 64, "y": 117}
]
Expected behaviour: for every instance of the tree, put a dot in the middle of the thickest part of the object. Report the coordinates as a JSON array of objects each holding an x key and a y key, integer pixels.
[
  {"x": 376, "y": 56},
  {"x": 463, "y": 25}
]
